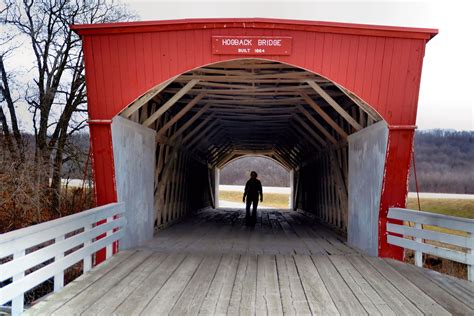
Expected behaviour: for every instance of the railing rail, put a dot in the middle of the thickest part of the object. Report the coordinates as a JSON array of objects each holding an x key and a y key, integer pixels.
[
  {"x": 37, "y": 253},
  {"x": 439, "y": 244}
]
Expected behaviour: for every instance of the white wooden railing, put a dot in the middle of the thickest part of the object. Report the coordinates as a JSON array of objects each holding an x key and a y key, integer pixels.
[
  {"x": 419, "y": 238},
  {"x": 30, "y": 247}
]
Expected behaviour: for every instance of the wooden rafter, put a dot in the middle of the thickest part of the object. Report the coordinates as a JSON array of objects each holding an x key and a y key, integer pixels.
[
  {"x": 189, "y": 122},
  {"x": 153, "y": 117},
  {"x": 219, "y": 151},
  {"x": 254, "y": 107},
  {"x": 310, "y": 131},
  {"x": 316, "y": 107},
  {"x": 200, "y": 139},
  {"x": 321, "y": 128},
  {"x": 362, "y": 105},
  {"x": 137, "y": 104},
  {"x": 334, "y": 105},
  {"x": 281, "y": 160},
  {"x": 297, "y": 129},
  {"x": 180, "y": 114},
  {"x": 199, "y": 127},
  {"x": 224, "y": 159},
  {"x": 217, "y": 160}
]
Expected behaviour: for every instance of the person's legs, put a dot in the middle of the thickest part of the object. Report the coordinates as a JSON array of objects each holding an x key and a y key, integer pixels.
[
  {"x": 254, "y": 211},
  {"x": 247, "y": 211}
]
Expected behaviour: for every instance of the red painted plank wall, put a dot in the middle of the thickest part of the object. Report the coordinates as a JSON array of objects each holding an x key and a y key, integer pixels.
[{"x": 383, "y": 71}]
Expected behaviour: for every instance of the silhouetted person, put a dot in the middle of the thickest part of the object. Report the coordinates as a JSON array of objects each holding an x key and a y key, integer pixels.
[{"x": 253, "y": 189}]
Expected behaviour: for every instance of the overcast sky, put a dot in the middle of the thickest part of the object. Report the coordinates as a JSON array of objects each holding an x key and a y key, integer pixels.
[{"x": 445, "y": 100}]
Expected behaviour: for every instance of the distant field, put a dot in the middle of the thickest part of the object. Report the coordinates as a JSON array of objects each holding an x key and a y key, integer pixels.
[
  {"x": 452, "y": 207},
  {"x": 275, "y": 200}
]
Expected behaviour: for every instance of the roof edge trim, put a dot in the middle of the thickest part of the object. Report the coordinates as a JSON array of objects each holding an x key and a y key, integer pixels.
[{"x": 282, "y": 24}]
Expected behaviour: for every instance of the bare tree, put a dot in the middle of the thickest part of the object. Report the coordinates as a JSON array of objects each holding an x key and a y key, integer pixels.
[{"x": 56, "y": 96}]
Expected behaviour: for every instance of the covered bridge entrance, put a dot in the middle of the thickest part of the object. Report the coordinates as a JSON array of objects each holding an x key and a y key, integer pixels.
[{"x": 171, "y": 102}]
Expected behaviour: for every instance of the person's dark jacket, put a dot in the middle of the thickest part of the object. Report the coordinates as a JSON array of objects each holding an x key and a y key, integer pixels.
[{"x": 253, "y": 188}]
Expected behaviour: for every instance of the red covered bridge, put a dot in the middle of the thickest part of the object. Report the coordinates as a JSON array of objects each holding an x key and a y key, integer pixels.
[{"x": 172, "y": 102}]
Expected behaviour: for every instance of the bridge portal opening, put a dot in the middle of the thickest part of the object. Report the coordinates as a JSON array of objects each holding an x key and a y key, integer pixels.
[
  {"x": 233, "y": 175},
  {"x": 171, "y": 142}
]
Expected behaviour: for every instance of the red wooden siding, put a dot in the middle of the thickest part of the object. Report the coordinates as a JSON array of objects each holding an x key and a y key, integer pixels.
[{"x": 385, "y": 72}]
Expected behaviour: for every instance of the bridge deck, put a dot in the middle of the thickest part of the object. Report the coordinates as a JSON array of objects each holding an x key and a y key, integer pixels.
[{"x": 212, "y": 264}]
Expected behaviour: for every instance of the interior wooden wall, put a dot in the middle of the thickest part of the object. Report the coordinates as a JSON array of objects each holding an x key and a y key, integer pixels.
[
  {"x": 321, "y": 187},
  {"x": 182, "y": 183}
]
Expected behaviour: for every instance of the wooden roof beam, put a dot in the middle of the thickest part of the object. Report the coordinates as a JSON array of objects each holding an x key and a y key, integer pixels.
[
  {"x": 316, "y": 107},
  {"x": 144, "y": 99},
  {"x": 334, "y": 105},
  {"x": 310, "y": 140},
  {"x": 287, "y": 154},
  {"x": 281, "y": 160},
  {"x": 168, "y": 104},
  {"x": 180, "y": 114},
  {"x": 219, "y": 150},
  {"x": 217, "y": 160},
  {"x": 190, "y": 122},
  {"x": 363, "y": 105},
  {"x": 199, "y": 127},
  {"x": 298, "y": 146},
  {"x": 221, "y": 161},
  {"x": 202, "y": 137},
  {"x": 317, "y": 124},
  {"x": 253, "y": 152},
  {"x": 311, "y": 131}
]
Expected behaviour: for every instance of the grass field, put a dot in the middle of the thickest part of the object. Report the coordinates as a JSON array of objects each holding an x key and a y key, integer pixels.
[
  {"x": 452, "y": 207},
  {"x": 276, "y": 200}
]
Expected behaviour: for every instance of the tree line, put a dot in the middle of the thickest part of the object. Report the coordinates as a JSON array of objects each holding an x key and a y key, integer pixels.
[
  {"x": 444, "y": 161},
  {"x": 49, "y": 88}
]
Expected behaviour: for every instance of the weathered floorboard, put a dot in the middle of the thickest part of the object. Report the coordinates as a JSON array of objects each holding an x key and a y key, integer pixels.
[{"x": 211, "y": 264}]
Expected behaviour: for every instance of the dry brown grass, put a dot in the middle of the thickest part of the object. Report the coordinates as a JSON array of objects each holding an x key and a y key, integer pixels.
[{"x": 276, "y": 200}]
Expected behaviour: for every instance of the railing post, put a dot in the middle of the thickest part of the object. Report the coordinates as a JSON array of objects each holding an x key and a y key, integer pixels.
[
  {"x": 418, "y": 254},
  {"x": 59, "y": 277},
  {"x": 87, "y": 261},
  {"x": 19, "y": 301},
  {"x": 470, "y": 267},
  {"x": 109, "y": 248}
]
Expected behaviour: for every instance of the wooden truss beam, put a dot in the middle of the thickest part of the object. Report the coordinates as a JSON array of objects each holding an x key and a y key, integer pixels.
[
  {"x": 311, "y": 140},
  {"x": 152, "y": 118},
  {"x": 363, "y": 105},
  {"x": 325, "y": 116},
  {"x": 199, "y": 127},
  {"x": 311, "y": 131},
  {"x": 180, "y": 114},
  {"x": 334, "y": 104},
  {"x": 321, "y": 128},
  {"x": 189, "y": 122},
  {"x": 144, "y": 99}
]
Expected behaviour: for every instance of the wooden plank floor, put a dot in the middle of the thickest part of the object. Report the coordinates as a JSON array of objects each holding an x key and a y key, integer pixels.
[{"x": 211, "y": 264}]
